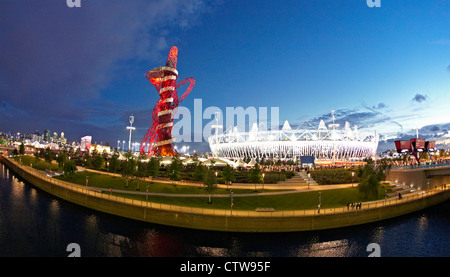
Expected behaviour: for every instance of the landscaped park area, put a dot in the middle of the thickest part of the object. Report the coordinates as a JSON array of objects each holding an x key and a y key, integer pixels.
[{"x": 202, "y": 187}]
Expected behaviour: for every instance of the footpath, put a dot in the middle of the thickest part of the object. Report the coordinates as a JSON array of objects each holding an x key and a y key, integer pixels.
[{"x": 300, "y": 182}]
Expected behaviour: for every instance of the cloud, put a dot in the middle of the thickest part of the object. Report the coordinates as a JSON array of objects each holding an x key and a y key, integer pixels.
[
  {"x": 57, "y": 62},
  {"x": 419, "y": 98},
  {"x": 443, "y": 41},
  {"x": 379, "y": 106},
  {"x": 448, "y": 68}
]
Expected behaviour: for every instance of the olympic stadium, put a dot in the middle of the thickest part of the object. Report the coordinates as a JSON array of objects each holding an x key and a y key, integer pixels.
[{"x": 347, "y": 144}]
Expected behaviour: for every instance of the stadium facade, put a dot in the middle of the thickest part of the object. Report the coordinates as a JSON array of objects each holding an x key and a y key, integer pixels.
[{"x": 322, "y": 142}]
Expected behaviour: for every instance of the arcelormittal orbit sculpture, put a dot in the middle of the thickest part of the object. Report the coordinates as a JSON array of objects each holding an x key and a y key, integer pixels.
[{"x": 159, "y": 137}]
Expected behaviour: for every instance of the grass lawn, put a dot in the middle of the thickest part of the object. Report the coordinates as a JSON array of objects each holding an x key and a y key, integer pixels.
[
  {"x": 294, "y": 201},
  {"x": 106, "y": 181},
  {"x": 35, "y": 163}
]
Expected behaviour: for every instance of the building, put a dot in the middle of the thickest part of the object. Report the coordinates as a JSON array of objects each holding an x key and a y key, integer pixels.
[
  {"x": 100, "y": 149},
  {"x": 85, "y": 143},
  {"x": 62, "y": 139},
  {"x": 47, "y": 135},
  {"x": 321, "y": 143}
]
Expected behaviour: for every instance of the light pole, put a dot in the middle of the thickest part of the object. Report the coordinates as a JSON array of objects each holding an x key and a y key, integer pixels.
[
  {"x": 263, "y": 181},
  {"x": 353, "y": 174},
  {"x": 131, "y": 128},
  {"x": 217, "y": 127},
  {"x": 232, "y": 203},
  {"x": 320, "y": 202},
  {"x": 309, "y": 179}
]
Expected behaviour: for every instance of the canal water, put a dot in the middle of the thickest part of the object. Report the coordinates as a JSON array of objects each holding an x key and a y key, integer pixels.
[{"x": 33, "y": 223}]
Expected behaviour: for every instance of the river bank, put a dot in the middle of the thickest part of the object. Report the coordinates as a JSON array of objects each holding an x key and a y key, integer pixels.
[{"x": 228, "y": 220}]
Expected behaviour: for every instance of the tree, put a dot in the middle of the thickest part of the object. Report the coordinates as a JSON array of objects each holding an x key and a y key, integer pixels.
[
  {"x": 255, "y": 175},
  {"x": 21, "y": 149},
  {"x": 199, "y": 172},
  {"x": 369, "y": 184},
  {"x": 175, "y": 169},
  {"x": 128, "y": 167},
  {"x": 69, "y": 168},
  {"x": 210, "y": 182},
  {"x": 383, "y": 169},
  {"x": 87, "y": 160},
  {"x": 61, "y": 159},
  {"x": 141, "y": 172},
  {"x": 114, "y": 164},
  {"x": 228, "y": 174},
  {"x": 153, "y": 167},
  {"x": 98, "y": 162},
  {"x": 48, "y": 155}
]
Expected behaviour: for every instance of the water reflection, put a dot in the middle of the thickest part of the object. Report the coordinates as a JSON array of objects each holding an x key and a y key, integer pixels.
[
  {"x": 54, "y": 208},
  {"x": 34, "y": 223},
  {"x": 378, "y": 235}
]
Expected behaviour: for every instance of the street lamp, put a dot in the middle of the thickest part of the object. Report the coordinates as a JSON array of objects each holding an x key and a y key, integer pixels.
[
  {"x": 309, "y": 179},
  {"x": 263, "y": 181},
  {"x": 320, "y": 202},
  {"x": 131, "y": 128},
  {"x": 232, "y": 203},
  {"x": 353, "y": 174}
]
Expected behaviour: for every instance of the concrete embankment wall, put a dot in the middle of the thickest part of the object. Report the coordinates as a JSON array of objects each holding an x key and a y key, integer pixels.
[{"x": 223, "y": 220}]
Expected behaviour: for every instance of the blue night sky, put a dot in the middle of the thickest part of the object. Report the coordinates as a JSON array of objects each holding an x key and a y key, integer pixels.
[{"x": 81, "y": 70}]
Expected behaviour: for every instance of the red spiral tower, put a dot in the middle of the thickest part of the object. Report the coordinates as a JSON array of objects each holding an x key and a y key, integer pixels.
[{"x": 164, "y": 78}]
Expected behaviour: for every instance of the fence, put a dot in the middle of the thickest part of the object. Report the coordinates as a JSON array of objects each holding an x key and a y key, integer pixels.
[
  {"x": 426, "y": 165},
  {"x": 92, "y": 192}
]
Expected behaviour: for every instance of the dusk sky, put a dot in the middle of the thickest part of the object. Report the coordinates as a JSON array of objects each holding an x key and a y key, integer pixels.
[{"x": 81, "y": 71}]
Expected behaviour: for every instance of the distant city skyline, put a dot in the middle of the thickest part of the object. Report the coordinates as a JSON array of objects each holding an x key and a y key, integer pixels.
[{"x": 81, "y": 70}]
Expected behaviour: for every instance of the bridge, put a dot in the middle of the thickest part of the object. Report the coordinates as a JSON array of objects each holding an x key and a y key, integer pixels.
[{"x": 422, "y": 177}]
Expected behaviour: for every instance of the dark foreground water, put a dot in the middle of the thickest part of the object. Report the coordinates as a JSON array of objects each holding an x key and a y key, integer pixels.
[{"x": 35, "y": 224}]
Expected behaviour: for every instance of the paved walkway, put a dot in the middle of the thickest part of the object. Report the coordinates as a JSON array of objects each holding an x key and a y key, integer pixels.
[
  {"x": 286, "y": 187},
  {"x": 289, "y": 191}
]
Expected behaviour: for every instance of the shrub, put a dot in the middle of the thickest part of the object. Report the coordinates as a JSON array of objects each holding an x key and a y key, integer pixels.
[{"x": 334, "y": 176}]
